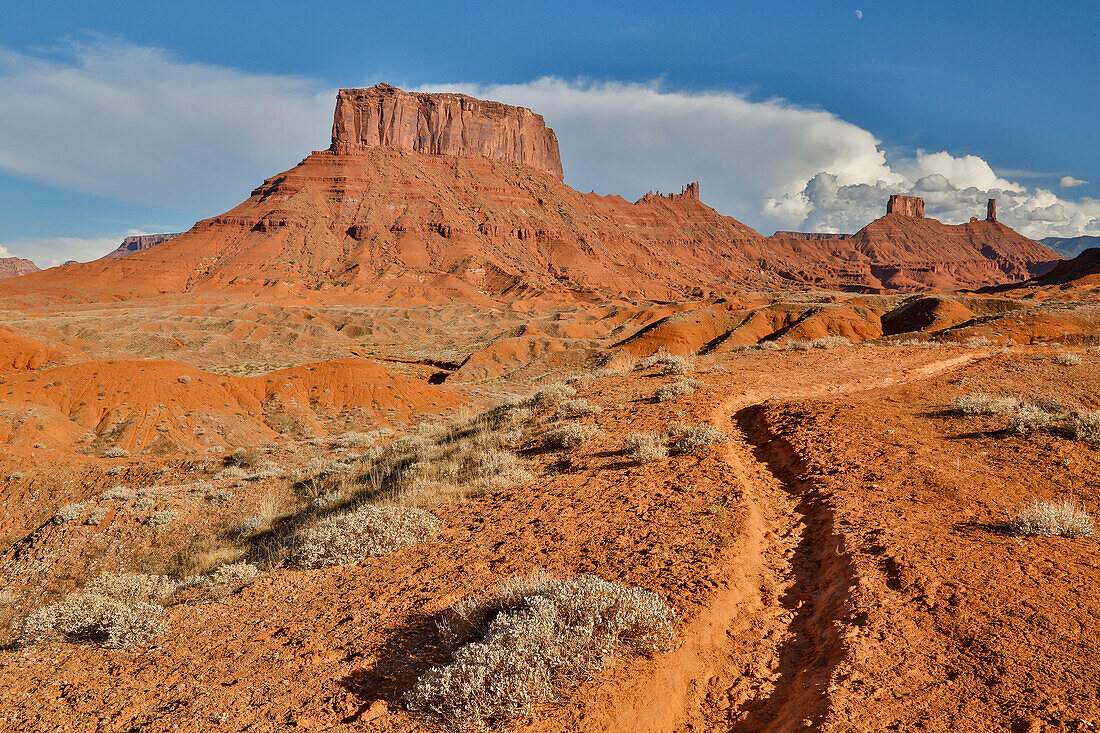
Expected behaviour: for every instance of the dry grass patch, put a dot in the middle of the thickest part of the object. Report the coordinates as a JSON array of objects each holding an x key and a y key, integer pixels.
[
  {"x": 1065, "y": 518},
  {"x": 551, "y": 395},
  {"x": 116, "y": 453},
  {"x": 535, "y": 641},
  {"x": 977, "y": 403},
  {"x": 574, "y": 408},
  {"x": 248, "y": 457}
]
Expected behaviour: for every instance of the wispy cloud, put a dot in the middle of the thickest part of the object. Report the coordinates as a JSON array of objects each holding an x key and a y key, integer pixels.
[
  {"x": 1070, "y": 182},
  {"x": 53, "y": 251},
  {"x": 135, "y": 124}
]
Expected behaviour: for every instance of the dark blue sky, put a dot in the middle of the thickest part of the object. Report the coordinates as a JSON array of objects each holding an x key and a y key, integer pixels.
[{"x": 1016, "y": 83}]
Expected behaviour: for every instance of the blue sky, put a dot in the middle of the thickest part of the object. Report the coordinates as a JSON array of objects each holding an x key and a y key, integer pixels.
[{"x": 189, "y": 104}]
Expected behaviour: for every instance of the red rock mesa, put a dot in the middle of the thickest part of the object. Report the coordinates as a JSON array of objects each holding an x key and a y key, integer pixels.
[
  {"x": 442, "y": 124},
  {"x": 906, "y": 206}
]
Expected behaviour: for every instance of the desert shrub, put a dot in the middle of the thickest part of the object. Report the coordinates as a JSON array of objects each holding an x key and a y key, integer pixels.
[
  {"x": 132, "y": 588},
  {"x": 15, "y": 476},
  {"x": 536, "y": 645},
  {"x": 977, "y": 342},
  {"x": 568, "y": 436},
  {"x": 797, "y": 346},
  {"x": 552, "y": 394},
  {"x": 768, "y": 346},
  {"x": 161, "y": 518},
  {"x": 675, "y": 365},
  {"x": 688, "y": 439},
  {"x": 1067, "y": 359},
  {"x": 1063, "y": 518},
  {"x": 672, "y": 390},
  {"x": 645, "y": 447},
  {"x": 117, "y": 492},
  {"x": 231, "y": 472},
  {"x": 576, "y": 408},
  {"x": 249, "y": 457},
  {"x": 1085, "y": 426},
  {"x": 369, "y": 530},
  {"x": 67, "y": 513},
  {"x": 651, "y": 361},
  {"x": 115, "y": 470},
  {"x": 116, "y": 452},
  {"x": 114, "y": 609},
  {"x": 977, "y": 403},
  {"x": 96, "y": 517},
  {"x": 1030, "y": 417}
]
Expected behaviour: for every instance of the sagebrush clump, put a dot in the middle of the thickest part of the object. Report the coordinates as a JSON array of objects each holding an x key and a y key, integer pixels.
[
  {"x": 568, "y": 436},
  {"x": 538, "y": 639},
  {"x": 672, "y": 390},
  {"x": 92, "y": 617},
  {"x": 688, "y": 438},
  {"x": 645, "y": 447},
  {"x": 1065, "y": 518},
  {"x": 1032, "y": 416},
  {"x": 1086, "y": 426},
  {"x": 369, "y": 530},
  {"x": 1067, "y": 359}
]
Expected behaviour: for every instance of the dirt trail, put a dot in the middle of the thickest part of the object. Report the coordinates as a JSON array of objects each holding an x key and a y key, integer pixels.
[{"x": 760, "y": 658}]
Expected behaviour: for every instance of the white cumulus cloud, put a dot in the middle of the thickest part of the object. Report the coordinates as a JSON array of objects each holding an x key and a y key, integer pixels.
[{"x": 1070, "y": 182}]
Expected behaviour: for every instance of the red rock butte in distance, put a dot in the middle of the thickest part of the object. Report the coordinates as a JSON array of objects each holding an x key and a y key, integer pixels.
[
  {"x": 443, "y": 124},
  {"x": 912, "y": 206}
]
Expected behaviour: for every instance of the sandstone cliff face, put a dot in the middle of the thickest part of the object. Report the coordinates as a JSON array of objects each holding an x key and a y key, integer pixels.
[
  {"x": 443, "y": 124},
  {"x": 14, "y": 267},
  {"x": 139, "y": 243}
]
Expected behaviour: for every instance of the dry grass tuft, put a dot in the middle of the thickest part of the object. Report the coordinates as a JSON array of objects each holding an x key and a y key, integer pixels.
[
  {"x": 579, "y": 407},
  {"x": 977, "y": 403},
  {"x": 645, "y": 447},
  {"x": 116, "y": 453},
  {"x": 249, "y": 457},
  {"x": 539, "y": 639},
  {"x": 550, "y": 395},
  {"x": 369, "y": 530},
  {"x": 1063, "y": 518}
]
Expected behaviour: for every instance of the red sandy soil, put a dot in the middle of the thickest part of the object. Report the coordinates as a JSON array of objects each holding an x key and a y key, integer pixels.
[{"x": 837, "y": 564}]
